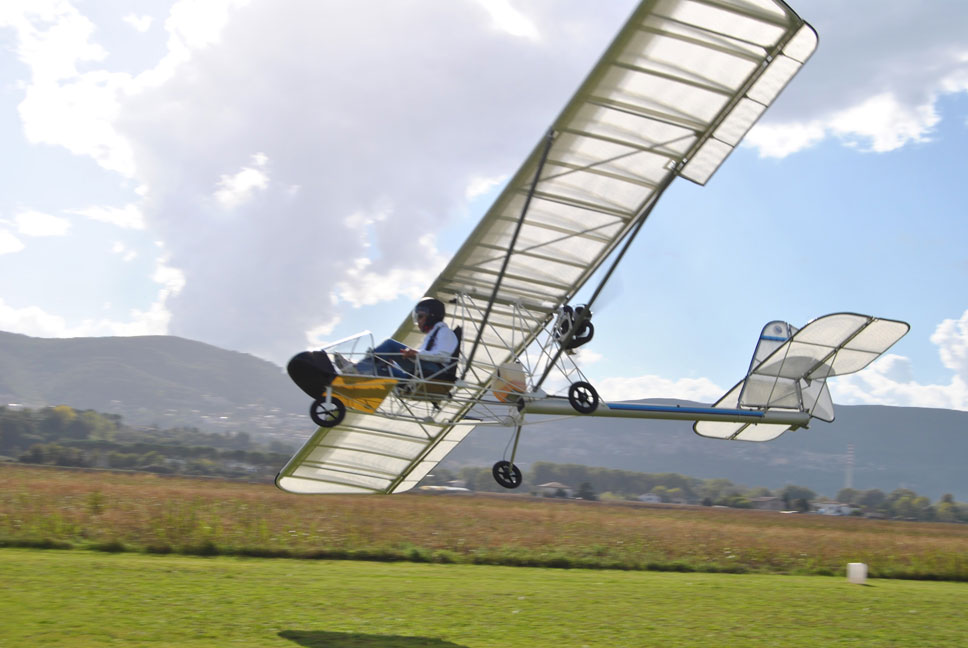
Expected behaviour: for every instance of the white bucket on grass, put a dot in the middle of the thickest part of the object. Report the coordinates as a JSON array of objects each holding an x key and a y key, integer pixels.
[{"x": 857, "y": 573}]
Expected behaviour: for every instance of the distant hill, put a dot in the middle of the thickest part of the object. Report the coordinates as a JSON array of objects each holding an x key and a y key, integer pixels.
[
  {"x": 171, "y": 381},
  {"x": 156, "y": 379}
]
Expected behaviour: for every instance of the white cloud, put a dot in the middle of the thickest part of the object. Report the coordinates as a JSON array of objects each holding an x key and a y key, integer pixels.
[
  {"x": 586, "y": 356},
  {"x": 35, "y": 223},
  {"x": 79, "y": 110},
  {"x": 874, "y": 386},
  {"x": 35, "y": 321},
  {"x": 702, "y": 390},
  {"x": 32, "y": 320},
  {"x": 434, "y": 96},
  {"x": 9, "y": 243},
  {"x": 192, "y": 26},
  {"x": 78, "y": 114},
  {"x": 879, "y": 124},
  {"x": 480, "y": 186},
  {"x": 200, "y": 24},
  {"x": 318, "y": 336},
  {"x": 781, "y": 140},
  {"x": 238, "y": 189},
  {"x": 122, "y": 250},
  {"x": 889, "y": 380},
  {"x": 875, "y": 80},
  {"x": 885, "y": 123},
  {"x": 127, "y": 217},
  {"x": 53, "y": 37},
  {"x": 951, "y": 336},
  {"x": 139, "y": 23},
  {"x": 61, "y": 106},
  {"x": 365, "y": 286},
  {"x": 172, "y": 279},
  {"x": 508, "y": 19}
]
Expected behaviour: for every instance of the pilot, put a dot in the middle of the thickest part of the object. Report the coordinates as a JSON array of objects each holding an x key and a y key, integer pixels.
[{"x": 393, "y": 358}]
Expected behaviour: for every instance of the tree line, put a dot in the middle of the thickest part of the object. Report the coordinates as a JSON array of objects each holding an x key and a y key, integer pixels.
[
  {"x": 608, "y": 484},
  {"x": 63, "y": 436}
]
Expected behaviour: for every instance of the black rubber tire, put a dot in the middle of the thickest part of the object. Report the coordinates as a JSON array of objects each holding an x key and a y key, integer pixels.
[
  {"x": 583, "y": 397},
  {"x": 329, "y": 415},
  {"x": 507, "y": 474}
]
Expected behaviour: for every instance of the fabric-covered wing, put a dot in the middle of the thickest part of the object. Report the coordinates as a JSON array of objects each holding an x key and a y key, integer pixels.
[
  {"x": 676, "y": 90},
  {"x": 368, "y": 454}
]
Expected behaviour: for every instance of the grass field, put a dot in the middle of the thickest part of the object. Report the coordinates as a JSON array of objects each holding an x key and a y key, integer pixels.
[
  {"x": 88, "y": 599},
  {"x": 115, "y": 511}
]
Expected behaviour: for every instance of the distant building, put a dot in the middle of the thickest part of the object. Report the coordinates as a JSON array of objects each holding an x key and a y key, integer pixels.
[
  {"x": 767, "y": 503},
  {"x": 651, "y": 498},
  {"x": 833, "y": 508},
  {"x": 554, "y": 489},
  {"x": 442, "y": 489}
]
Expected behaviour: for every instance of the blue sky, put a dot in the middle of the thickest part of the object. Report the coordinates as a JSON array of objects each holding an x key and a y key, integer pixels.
[{"x": 266, "y": 176}]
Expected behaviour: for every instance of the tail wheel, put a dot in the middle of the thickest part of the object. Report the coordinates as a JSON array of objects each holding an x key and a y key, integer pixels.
[
  {"x": 328, "y": 414},
  {"x": 507, "y": 474},
  {"x": 583, "y": 397}
]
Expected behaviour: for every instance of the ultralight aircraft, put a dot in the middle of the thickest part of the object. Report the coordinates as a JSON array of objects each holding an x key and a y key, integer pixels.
[{"x": 672, "y": 96}]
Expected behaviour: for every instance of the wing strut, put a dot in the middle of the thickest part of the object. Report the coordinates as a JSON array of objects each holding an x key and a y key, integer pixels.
[{"x": 549, "y": 140}]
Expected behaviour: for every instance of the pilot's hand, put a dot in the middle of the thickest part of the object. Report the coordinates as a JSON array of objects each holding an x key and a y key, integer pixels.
[{"x": 409, "y": 353}]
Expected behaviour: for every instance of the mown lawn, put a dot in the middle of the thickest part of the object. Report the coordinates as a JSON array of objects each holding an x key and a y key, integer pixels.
[
  {"x": 116, "y": 511},
  {"x": 88, "y": 599}
]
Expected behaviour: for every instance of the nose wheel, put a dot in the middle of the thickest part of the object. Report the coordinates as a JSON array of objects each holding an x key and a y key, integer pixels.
[{"x": 327, "y": 414}]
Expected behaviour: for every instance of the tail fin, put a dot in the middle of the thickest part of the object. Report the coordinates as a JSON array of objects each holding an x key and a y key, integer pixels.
[
  {"x": 764, "y": 389},
  {"x": 790, "y": 368}
]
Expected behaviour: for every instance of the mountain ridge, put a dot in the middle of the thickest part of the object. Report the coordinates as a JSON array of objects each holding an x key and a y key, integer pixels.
[{"x": 149, "y": 380}]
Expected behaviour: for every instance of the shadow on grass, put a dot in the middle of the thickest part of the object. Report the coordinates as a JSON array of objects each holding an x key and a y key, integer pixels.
[{"x": 323, "y": 639}]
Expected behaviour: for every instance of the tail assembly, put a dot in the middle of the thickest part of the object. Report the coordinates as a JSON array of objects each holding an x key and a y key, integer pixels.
[{"x": 790, "y": 367}]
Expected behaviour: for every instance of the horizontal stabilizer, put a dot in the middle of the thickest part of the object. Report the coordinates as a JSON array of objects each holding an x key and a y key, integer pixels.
[
  {"x": 790, "y": 367},
  {"x": 832, "y": 345}
]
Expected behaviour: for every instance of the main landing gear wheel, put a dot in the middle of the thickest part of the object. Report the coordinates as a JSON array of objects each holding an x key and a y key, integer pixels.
[
  {"x": 328, "y": 414},
  {"x": 507, "y": 474},
  {"x": 583, "y": 397}
]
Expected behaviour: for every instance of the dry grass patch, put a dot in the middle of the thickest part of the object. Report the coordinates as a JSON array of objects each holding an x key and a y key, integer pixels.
[{"x": 137, "y": 511}]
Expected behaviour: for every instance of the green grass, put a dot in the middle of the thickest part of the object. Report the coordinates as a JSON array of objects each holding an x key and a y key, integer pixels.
[{"x": 86, "y": 599}]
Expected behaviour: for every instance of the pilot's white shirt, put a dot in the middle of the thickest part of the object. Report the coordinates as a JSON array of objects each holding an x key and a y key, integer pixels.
[{"x": 444, "y": 344}]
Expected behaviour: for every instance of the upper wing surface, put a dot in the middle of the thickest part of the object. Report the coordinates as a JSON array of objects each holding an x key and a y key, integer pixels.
[{"x": 676, "y": 90}]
